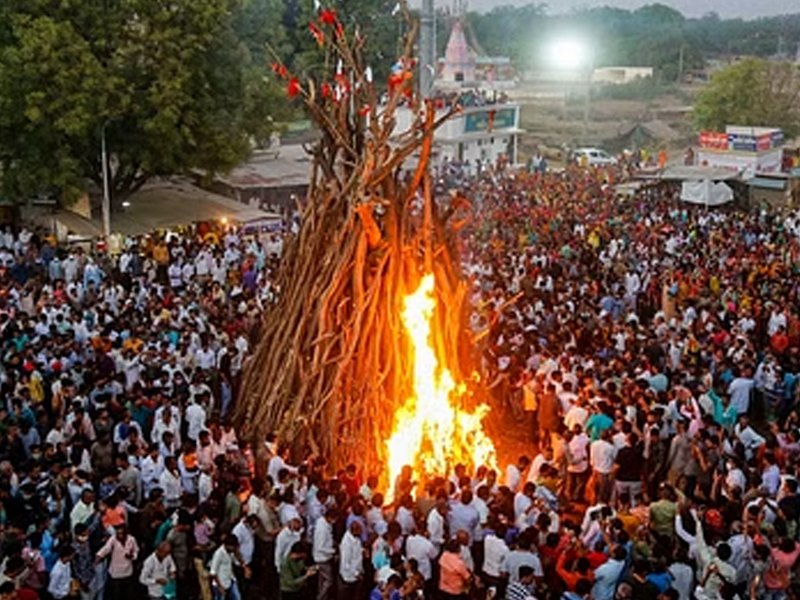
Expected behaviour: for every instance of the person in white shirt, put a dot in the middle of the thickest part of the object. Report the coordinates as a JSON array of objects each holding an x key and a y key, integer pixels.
[
  {"x": 577, "y": 414},
  {"x": 291, "y": 533},
  {"x": 278, "y": 462},
  {"x": 84, "y": 509},
  {"x": 175, "y": 273},
  {"x": 244, "y": 532},
  {"x": 187, "y": 273},
  {"x": 777, "y": 319},
  {"x": 480, "y": 504},
  {"x": 195, "y": 419},
  {"x": 495, "y": 555},
  {"x": 423, "y": 551},
  {"x": 158, "y": 570},
  {"x": 202, "y": 264},
  {"x": 206, "y": 357},
  {"x": 514, "y": 473},
  {"x": 524, "y": 505},
  {"x": 545, "y": 457},
  {"x": 602, "y": 455},
  {"x": 168, "y": 405},
  {"x": 165, "y": 424},
  {"x": 405, "y": 515},
  {"x": 219, "y": 271},
  {"x": 683, "y": 575},
  {"x": 60, "y": 585},
  {"x": 170, "y": 482},
  {"x": 131, "y": 365},
  {"x": 151, "y": 469},
  {"x": 771, "y": 477},
  {"x": 577, "y": 463},
  {"x": 323, "y": 551},
  {"x": 221, "y": 569},
  {"x": 436, "y": 524},
  {"x": 205, "y": 484},
  {"x": 747, "y": 435},
  {"x": 351, "y": 562}
]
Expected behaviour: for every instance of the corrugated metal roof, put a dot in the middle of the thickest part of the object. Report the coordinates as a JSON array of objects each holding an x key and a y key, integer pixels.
[
  {"x": 690, "y": 173},
  {"x": 767, "y": 183}
]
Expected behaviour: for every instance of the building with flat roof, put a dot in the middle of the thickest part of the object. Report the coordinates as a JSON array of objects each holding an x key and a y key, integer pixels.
[
  {"x": 747, "y": 149},
  {"x": 486, "y": 128},
  {"x": 620, "y": 75}
]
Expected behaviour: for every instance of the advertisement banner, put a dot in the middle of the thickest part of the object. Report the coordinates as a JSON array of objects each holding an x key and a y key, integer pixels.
[
  {"x": 764, "y": 142},
  {"x": 766, "y": 162},
  {"x": 742, "y": 142},
  {"x": 503, "y": 118},
  {"x": 713, "y": 140}
]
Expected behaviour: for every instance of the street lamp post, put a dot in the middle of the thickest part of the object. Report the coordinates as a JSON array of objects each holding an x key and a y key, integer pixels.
[
  {"x": 427, "y": 49},
  {"x": 574, "y": 56},
  {"x": 587, "y": 101},
  {"x": 106, "y": 207}
]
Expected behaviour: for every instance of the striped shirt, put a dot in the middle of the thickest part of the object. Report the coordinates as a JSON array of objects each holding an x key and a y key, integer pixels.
[{"x": 518, "y": 591}]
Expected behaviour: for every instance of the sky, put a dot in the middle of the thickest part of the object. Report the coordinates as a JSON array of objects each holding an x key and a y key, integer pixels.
[{"x": 747, "y": 9}]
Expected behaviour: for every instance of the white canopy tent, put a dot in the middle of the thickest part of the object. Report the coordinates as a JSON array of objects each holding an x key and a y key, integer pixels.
[{"x": 706, "y": 192}]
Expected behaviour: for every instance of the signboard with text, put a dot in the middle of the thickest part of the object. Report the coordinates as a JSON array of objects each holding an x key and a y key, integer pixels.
[
  {"x": 742, "y": 142},
  {"x": 504, "y": 118},
  {"x": 713, "y": 140},
  {"x": 742, "y": 139}
]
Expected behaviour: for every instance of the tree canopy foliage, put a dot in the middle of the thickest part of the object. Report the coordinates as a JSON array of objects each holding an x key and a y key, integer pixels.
[
  {"x": 174, "y": 86},
  {"x": 654, "y": 35},
  {"x": 179, "y": 85},
  {"x": 752, "y": 92}
]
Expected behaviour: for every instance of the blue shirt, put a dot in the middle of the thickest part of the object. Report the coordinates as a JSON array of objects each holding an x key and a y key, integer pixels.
[
  {"x": 363, "y": 521},
  {"x": 462, "y": 517},
  {"x": 660, "y": 580},
  {"x": 376, "y": 594},
  {"x": 597, "y": 424},
  {"x": 606, "y": 577}
]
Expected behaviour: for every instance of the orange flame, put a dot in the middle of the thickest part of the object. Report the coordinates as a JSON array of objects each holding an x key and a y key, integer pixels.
[{"x": 430, "y": 433}]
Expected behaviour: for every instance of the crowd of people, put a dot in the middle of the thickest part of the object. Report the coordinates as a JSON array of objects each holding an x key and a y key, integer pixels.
[{"x": 650, "y": 351}]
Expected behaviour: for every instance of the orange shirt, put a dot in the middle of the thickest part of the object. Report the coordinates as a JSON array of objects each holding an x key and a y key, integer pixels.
[
  {"x": 114, "y": 516},
  {"x": 571, "y": 577},
  {"x": 161, "y": 254},
  {"x": 454, "y": 578},
  {"x": 779, "y": 342}
]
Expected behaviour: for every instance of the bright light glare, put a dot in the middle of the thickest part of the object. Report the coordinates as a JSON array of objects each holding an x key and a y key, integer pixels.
[{"x": 568, "y": 55}]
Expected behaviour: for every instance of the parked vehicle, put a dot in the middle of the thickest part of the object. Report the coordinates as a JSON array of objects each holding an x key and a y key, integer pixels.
[{"x": 593, "y": 157}]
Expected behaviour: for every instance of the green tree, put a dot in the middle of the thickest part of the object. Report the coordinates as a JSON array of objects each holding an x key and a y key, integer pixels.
[
  {"x": 376, "y": 21},
  {"x": 752, "y": 92},
  {"x": 509, "y": 31},
  {"x": 261, "y": 33},
  {"x": 163, "y": 81}
]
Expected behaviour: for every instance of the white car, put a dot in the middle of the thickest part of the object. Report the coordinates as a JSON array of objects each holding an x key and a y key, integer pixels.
[{"x": 593, "y": 157}]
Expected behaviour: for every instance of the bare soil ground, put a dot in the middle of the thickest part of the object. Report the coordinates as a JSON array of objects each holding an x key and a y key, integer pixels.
[{"x": 552, "y": 120}]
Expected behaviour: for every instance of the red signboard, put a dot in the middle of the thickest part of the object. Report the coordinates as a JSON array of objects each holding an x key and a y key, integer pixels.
[
  {"x": 764, "y": 142},
  {"x": 713, "y": 140}
]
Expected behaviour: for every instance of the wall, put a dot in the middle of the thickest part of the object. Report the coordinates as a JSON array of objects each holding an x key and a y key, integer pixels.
[
  {"x": 766, "y": 162},
  {"x": 620, "y": 75}
]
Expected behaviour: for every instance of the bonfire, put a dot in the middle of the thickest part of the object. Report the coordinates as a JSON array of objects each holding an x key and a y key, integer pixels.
[{"x": 365, "y": 358}]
